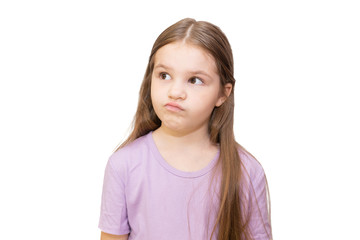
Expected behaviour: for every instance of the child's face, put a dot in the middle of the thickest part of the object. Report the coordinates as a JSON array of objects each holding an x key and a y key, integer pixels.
[{"x": 185, "y": 87}]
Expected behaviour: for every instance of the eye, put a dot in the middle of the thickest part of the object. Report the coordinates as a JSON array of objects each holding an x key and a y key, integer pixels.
[
  {"x": 196, "y": 81},
  {"x": 164, "y": 76}
]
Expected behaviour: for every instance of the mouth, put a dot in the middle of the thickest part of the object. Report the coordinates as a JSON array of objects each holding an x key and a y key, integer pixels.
[{"x": 174, "y": 107}]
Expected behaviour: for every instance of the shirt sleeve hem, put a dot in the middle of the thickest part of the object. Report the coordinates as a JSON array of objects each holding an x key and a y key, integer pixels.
[{"x": 113, "y": 231}]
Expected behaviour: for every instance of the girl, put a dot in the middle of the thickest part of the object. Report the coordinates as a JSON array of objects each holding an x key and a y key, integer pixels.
[{"x": 181, "y": 174}]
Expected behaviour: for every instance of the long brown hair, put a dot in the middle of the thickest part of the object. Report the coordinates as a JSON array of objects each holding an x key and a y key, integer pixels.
[{"x": 232, "y": 217}]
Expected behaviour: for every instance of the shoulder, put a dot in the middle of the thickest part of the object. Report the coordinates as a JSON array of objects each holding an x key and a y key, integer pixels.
[
  {"x": 132, "y": 148},
  {"x": 130, "y": 156},
  {"x": 252, "y": 167}
]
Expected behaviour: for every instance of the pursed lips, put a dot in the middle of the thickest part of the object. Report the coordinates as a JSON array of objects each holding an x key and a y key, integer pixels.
[{"x": 172, "y": 106}]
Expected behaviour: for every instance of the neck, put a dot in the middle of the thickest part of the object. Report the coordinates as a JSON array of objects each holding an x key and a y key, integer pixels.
[{"x": 183, "y": 139}]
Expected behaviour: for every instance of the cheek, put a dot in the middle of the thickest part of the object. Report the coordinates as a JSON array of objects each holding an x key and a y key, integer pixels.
[
  {"x": 156, "y": 95},
  {"x": 153, "y": 91},
  {"x": 203, "y": 105}
]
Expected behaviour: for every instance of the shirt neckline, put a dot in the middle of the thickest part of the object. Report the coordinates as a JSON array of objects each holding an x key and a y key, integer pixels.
[{"x": 176, "y": 171}]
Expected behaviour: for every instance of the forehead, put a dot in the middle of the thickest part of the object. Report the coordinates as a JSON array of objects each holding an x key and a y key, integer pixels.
[{"x": 183, "y": 56}]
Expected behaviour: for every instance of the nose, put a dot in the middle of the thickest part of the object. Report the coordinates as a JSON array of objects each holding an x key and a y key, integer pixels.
[{"x": 177, "y": 90}]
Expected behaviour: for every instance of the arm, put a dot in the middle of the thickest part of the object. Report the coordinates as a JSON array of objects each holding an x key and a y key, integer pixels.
[
  {"x": 260, "y": 222},
  {"x": 107, "y": 236},
  {"x": 113, "y": 220}
]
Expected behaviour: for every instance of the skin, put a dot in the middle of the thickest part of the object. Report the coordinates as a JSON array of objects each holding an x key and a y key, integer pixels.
[
  {"x": 107, "y": 236},
  {"x": 186, "y": 75}
]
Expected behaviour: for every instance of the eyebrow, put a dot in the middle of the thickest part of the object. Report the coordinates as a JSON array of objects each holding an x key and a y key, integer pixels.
[{"x": 160, "y": 65}]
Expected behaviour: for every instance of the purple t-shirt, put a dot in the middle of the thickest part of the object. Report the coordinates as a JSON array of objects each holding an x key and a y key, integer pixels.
[{"x": 145, "y": 196}]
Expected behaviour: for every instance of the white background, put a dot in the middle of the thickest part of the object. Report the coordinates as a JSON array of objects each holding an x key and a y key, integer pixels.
[{"x": 70, "y": 74}]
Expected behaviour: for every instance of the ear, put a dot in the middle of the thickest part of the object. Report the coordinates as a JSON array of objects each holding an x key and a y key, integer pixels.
[{"x": 227, "y": 91}]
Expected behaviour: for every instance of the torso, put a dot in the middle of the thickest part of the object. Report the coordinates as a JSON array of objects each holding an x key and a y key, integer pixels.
[{"x": 148, "y": 197}]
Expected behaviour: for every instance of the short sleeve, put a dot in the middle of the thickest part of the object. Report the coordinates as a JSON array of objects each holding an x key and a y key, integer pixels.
[
  {"x": 259, "y": 222},
  {"x": 113, "y": 213}
]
